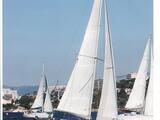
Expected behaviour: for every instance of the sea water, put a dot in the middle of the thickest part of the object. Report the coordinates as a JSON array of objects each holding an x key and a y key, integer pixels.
[{"x": 57, "y": 116}]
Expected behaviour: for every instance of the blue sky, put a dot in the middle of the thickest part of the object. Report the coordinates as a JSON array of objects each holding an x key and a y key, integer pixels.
[{"x": 51, "y": 32}]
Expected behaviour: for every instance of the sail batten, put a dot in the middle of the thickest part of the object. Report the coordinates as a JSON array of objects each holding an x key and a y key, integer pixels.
[
  {"x": 77, "y": 97},
  {"x": 137, "y": 96}
]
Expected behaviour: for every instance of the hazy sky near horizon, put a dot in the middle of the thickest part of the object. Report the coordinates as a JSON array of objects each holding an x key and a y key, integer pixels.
[{"x": 51, "y": 32}]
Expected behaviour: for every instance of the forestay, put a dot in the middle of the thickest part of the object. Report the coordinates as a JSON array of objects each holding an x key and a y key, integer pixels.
[
  {"x": 108, "y": 103},
  {"x": 137, "y": 96},
  {"x": 77, "y": 98}
]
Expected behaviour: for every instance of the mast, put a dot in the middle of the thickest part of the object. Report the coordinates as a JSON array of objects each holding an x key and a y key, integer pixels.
[
  {"x": 108, "y": 103},
  {"x": 137, "y": 96},
  {"x": 77, "y": 98}
]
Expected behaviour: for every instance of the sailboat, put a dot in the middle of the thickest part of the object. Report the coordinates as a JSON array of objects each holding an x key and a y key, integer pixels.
[
  {"x": 136, "y": 99},
  {"x": 141, "y": 100},
  {"x": 77, "y": 98},
  {"x": 42, "y": 106},
  {"x": 108, "y": 103}
]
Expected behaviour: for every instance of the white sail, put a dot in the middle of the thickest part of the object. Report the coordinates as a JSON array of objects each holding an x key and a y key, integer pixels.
[
  {"x": 108, "y": 103},
  {"x": 38, "y": 103},
  {"x": 48, "y": 104},
  {"x": 137, "y": 96},
  {"x": 149, "y": 97},
  {"x": 77, "y": 98}
]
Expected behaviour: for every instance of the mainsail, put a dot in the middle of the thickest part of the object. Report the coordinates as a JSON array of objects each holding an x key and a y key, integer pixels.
[
  {"x": 38, "y": 103},
  {"x": 108, "y": 103},
  {"x": 42, "y": 100},
  {"x": 137, "y": 96},
  {"x": 148, "y": 110},
  {"x": 77, "y": 98}
]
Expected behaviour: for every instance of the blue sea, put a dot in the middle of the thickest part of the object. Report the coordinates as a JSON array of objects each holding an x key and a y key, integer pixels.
[{"x": 57, "y": 116}]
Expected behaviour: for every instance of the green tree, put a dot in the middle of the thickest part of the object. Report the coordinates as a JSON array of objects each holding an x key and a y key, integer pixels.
[
  {"x": 96, "y": 98},
  {"x": 122, "y": 98},
  {"x": 9, "y": 106},
  {"x": 26, "y": 101}
]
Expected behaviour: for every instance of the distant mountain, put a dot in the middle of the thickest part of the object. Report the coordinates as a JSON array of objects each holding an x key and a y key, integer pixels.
[{"x": 22, "y": 90}]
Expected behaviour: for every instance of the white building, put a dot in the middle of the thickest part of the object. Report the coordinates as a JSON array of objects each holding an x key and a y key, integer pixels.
[
  {"x": 56, "y": 88},
  {"x": 9, "y": 95},
  {"x": 131, "y": 75}
]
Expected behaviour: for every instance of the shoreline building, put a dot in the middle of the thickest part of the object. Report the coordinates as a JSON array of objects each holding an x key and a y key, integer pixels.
[
  {"x": 9, "y": 96},
  {"x": 131, "y": 75}
]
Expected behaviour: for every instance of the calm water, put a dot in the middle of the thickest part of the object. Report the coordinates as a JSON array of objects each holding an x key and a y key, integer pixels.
[{"x": 57, "y": 115}]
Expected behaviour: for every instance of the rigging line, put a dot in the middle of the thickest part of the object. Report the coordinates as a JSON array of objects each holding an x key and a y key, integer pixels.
[
  {"x": 86, "y": 83},
  {"x": 92, "y": 57}
]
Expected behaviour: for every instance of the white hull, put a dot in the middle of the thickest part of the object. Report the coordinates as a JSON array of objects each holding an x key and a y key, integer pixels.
[
  {"x": 136, "y": 117},
  {"x": 39, "y": 115}
]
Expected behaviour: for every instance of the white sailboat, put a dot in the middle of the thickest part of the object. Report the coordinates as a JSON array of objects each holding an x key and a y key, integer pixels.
[
  {"x": 42, "y": 106},
  {"x": 145, "y": 106},
  {"x": 77, "y": 98},
  {"x": 108, "y": 103},
  {"x": 136, "y": 99}
]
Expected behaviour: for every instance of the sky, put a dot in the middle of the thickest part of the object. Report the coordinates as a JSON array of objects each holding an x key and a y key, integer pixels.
[{"x": 51, "y": 32}]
